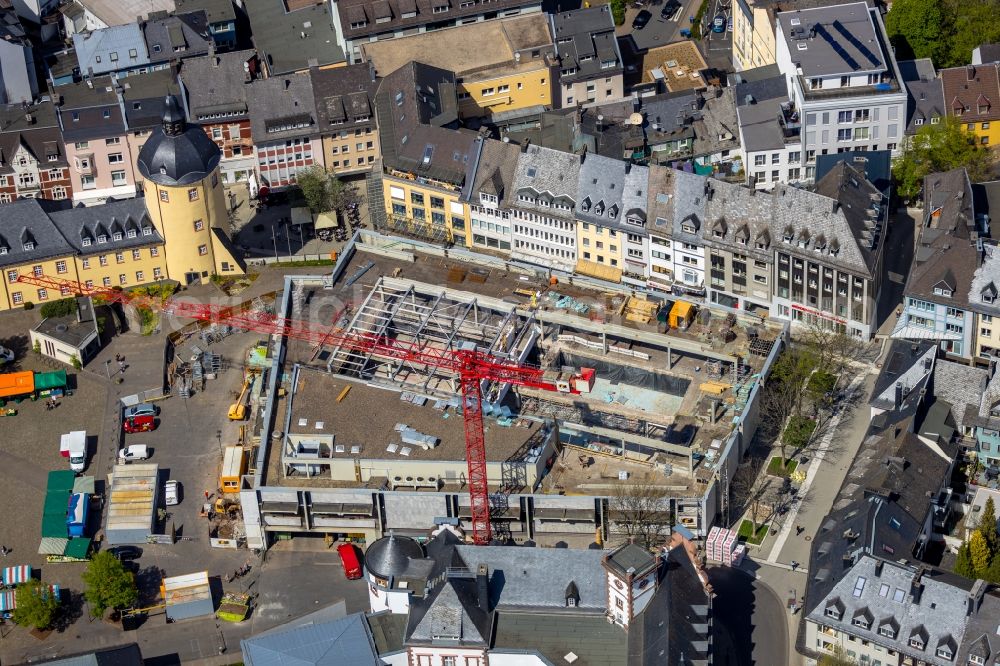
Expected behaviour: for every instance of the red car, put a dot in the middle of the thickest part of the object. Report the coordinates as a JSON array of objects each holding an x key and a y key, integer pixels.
[
  {"x": 139, "y": 424},
  {"x": 349, "y": 558}
]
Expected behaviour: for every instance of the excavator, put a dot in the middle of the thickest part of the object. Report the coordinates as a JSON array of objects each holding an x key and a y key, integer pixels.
[{"x": 238, "y": 410}]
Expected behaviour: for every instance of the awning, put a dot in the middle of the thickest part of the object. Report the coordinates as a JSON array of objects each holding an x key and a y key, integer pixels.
[
  {"x": 301, "y": 215},
  {"x": 921, "y": 333},
  {"x": 17, "y": 575},
  {"x": 327, "y": 221},
  {"x": 50, "y": 380},
  {"x": 599, "y": 271}
]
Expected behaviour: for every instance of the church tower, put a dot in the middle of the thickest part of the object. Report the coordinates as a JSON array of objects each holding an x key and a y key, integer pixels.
[{"x": 184, "y": 197}]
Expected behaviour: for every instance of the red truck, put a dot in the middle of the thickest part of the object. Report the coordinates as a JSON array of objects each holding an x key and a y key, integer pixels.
[
  {"x": 349, "y": 558},
  {"x": 139, "y": 424}
]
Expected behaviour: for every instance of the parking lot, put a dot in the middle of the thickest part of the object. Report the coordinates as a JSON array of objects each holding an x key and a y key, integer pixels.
[
  {"x": 186, "y": 445},
  {"x": 659, "y": 30}
]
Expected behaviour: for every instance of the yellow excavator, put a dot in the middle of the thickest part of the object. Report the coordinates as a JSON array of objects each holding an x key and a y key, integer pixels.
[{"x": 238, "y": 410}]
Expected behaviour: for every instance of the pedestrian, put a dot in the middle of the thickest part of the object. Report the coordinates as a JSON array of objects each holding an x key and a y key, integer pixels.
[
  {"x": 206, "y": 494},
  {"x": 118, "y": 358},
  {"x": 4, "y": 551},
  {"x": 798, "y": 530},
  {"x": 794, "y": 565}
]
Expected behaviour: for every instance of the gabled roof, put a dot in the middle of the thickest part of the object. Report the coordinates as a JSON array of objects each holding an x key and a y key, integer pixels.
[
  {"x": 973, "y": 87},
  {"x": 333, "y": 643},
  {"x": 110, "y": 49},
  {"x": 39, "y": 136},
  {"x": 344, "y": 95},
  {"x": 543, "y": 170},
  {"x": 178, "y": 36},
  {"x": 219, "y": 83},
  {"x": 493, "y": 173},
  {"x": 925, "y": 92},
  {"x": 290, "y": 41},
  {"x": 27, "y": 221},
  {"x": 282, "y": 107}
]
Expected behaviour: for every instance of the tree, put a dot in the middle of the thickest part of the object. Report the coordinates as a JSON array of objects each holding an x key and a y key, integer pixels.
[
  {"x": 938, "y": 147},
  {"x": 618, "y": 11},
  {"x": 988, "y": 527},
  {"x": 838, "y": 658},
  {"x": 969, "y": 24},
  {"x": 109, "y": 584},
  {"x": 980, "y": 552},
  {"x": 60, "y": 308},
  {"x": 36, "y": 605},
  {"x": 992, "y": 574},
  {"x": 749, "y": 490},
  {"x": 915, "y": 28},
  {"x": 323, "y": 191},
  {"x": 641, "y": 510},
  {"x": 963, "y": 563}
]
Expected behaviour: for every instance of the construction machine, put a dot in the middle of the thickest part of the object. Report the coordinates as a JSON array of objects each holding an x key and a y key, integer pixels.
[{"x": 238, "y": 410}]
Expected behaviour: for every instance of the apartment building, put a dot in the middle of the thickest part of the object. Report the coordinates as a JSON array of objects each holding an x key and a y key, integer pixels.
[
  {"x": 972, "y": 96},
  {"x": 842, "y": 79},
  {"x": 753, "y": 34},
  {"x": 545, "y": 194},
  {"x": 924, "y": 92},
  {"x": 503, "y": 66},
  {"x": 361, "y": 22},
  {"x": 143, "y": 97},
  {"x": 94, "y": 128},
  {"x": 424, "y": 156},
  {"x": 217, "y": 87},
  {"x": 345, "y": 111},
  {"x": 488, "y": 193},
  {"x": 984, "y": 301},
  {"x": 770, "y": 134},
  {"x": 937, "y": 304},
  {"x": 284, "y": 129},
  {"x": 32, "y": 154},
  {"x": 292, "y": 36},
  {"x": 590, "y": 63}
]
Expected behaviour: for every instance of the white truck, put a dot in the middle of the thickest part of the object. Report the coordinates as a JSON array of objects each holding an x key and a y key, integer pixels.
[{"x": 73, "y": 445}]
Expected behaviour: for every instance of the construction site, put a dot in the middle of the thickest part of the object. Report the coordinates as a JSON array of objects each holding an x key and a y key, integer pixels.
[{"x": 354, "y": 439}]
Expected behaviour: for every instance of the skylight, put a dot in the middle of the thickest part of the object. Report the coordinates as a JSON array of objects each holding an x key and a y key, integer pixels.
[
  {"x": 531, "y": 172},
  {"x": 859, "y": 586}
]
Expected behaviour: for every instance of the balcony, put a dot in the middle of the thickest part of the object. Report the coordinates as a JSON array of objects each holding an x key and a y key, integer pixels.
[
  {"x": 888, "y": 87},
  {"x": 84, "y": 164},
  {"x": 791, "y": 123}
]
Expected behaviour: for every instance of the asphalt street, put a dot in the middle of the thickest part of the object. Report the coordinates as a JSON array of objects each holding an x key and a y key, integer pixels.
[{"x": 750, "y": 620}]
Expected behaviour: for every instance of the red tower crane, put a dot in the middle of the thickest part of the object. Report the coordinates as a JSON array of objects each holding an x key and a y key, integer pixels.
[{"x": 470, "y": 366}]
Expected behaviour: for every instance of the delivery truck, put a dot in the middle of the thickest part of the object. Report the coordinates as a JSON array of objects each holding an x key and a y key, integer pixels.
[{"x": 73, "y": 445}]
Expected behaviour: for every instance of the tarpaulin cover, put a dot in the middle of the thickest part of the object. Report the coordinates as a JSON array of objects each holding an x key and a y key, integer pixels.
[
  {"x": 16, "y": 575},
  {"x": 50, "y": 380}
]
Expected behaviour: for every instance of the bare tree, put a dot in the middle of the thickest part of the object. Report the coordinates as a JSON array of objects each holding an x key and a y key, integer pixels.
[
  {"x": 749, "y": 489},
  {"x": 641, "y": 511},
  {"x": 832, "y": 350}
]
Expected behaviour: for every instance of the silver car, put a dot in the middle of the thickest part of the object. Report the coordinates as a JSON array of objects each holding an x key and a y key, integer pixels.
[{"x": 140, "y": 410}]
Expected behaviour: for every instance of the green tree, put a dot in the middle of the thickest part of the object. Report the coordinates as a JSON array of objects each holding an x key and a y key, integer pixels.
[
  {"x": 992, "y": 574},
  {"x": 36, "y": 605},
  {"x": 838, "y": 658},
  {"x": 618, "y": 11},
  {"x": 988, "y": 527},
  {"x": 60, "y": 308},
  {"x": 963, "y": 563},
  {"x": 916, "y": 28},
  {"x": 938, "y": 147},
  {"x": 108, "y": 584},
  {"x": 323, "y": 191},
  {"x": 980, "y": 553},
  {"x": 969, "y": 23}
]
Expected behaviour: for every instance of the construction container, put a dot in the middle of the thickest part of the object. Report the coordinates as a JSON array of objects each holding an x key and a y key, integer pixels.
[
  {"x": 681, "y": 315},
  {"x": 234, "y": 466},
  {"x": 131, "y": 503},
  {"x": 187, "y": 596}
]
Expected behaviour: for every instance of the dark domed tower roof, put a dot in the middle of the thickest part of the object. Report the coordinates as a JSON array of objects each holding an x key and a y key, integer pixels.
[
  {"x": 176, "y": 153},
  {"x": 390, "y": 556}
]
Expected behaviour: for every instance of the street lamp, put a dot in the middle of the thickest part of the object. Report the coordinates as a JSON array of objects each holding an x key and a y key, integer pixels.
[
  {"x": 107, "y": 367},
  {"x": 218, "y": 436}
]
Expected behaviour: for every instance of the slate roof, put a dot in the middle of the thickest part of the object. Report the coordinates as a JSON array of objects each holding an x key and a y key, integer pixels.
[
  {"x": 124, "y": 655},
  {"x": 984, "y": 291},
  {"x": 217, "y": 84},
  {"x": 767, "y": 216},
  {"x": 109, "y": 219},
  {"x": 552, "y": 172},
  {"x": 716, "y": 129},
  {"x": 216, "y": 11},
  {"x": 600, "y": 190},
  {"x": 941, "y": 611},
  {"x": 973, "y": 87},
  {"x": 925, "y": 93},
  {"x": 961, "y": 385},
  {"x": 845, "y": 41},
  {"x": 415, "y": 104},
  {"x": 110, "y": 49},
  {"x": 182, "y": 35},
  {"x": 758, "y": 107},
  {"x": 863, "y": 206},
  {"x": 391, "y": 555},
  {"x": 40, "y": 136},
  {"x": 906, "y": 363},
  {"x": 282, "y": 107},
  {"x": 989, "y": 52},
  {"x": 26, "y": 221},
  {"x": 144, "y": 96},
  {"x": 82, "y": 110},
  {"x": 586, "y": 32},
  {"x": 876, "y": 165},
  {"x": 946, "y": 254},
  {"x": 670, "y": 116},
  {"x": 177, "y": 153},
  {"x": 391, "y": 12},
  {"x": 591, "y": 637},
  {"x": 278, "y": 35},
  {"x": 981, "y": 637},
  {"x": 912, "y": 471},
  {"x": 493, "y": 171},
  {"x": 343, "y": 641},
  {"x": 345, "y": 96}
]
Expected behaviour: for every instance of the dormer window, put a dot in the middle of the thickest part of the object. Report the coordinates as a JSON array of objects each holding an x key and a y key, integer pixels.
[
  {"x": 147, "y": 231},
  {"x": 3, "y": 249},
  {"x": 102, "y": 239},
  {"x": 572, "y": 595},
  {"x": 86, "y": 242},
  {"x": 887, "y": 630},
  {"x": 834, "y": 612},
  {"x": 599, "y": 208},
  {"x": 117, "y": 236},
  {"x": 861, "y": 621},
  {"x": 585, "y": 204},
  {"x": 130, "y": 233},
  {"x": 29, "y": 245},
  {"x": 942, "y": 291},
  {"x": 917, "y": 643},
  {"x": 788, "y": 235},
  {"x": 945, "y": 652},
  {"x": 613, "y": 212}
]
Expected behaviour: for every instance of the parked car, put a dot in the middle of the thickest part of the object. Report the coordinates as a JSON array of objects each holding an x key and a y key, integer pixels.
[
  {"x": 6, "y": 355},
  {"x": 719, "y": 23},
  {"x": 349, "y": 559},
  {"x": 172, "y": 493},
  {"x": 669, "y": 10},
  {"x": 144, "y": 409},
  {"x": 133, "y": 452},
  {"x": 641, "y": 19},
  {"x": 135, "y": 424},
  {"x": 126, "y": 552}
]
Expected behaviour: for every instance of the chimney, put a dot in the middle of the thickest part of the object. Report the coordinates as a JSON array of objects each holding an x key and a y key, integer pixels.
[
  {"x": 899, "y": 394},
  {"x": 975, "y": 597},
  {"x": 288, "y": 84},
  {"x": 483, "y": 588},
  {"x": 878, "y": 568},
  {"x": 917, "y": 587},
  {"x": 836, "y": 207},
  {"x": 970, "y": 72}
]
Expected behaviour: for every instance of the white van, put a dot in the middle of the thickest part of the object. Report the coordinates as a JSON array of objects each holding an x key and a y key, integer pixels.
[{"x": 133, "y": 452}]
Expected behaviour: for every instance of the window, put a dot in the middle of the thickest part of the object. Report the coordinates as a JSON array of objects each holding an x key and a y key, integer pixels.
[
  {"x": 103, "y": 260},
  {"x": 202, "y": 250},
  {"x": 844, "y": 116},
  {"x": 164, "y": 196},
  {"x": 43, "y": 294},
  {"x": 199, "y": 225},
  {"x": 154, "y": 251},
  {"x": 119, "y": 258},
  {"x": 859, "y": 585},
  {"x": 115, "y": 158},
  {"x": 985, "y": 332},
  {"x": 136, "y": 255},
  {"x": 37, "y": 271},
  {"x": 759, "y": 160},
  {"x": 122, "y": 278},
  {"x": 88, "y": 182},
  {"x": 193, "y": 194},
  {"x": 86, "y": 263},
  {"x": 12, "y": 276},
  {"x": 139, "y": 276},
  {"x": 844, "y": 134},
  {"x": 157, "y": 273},
  {"x": 118, "y": 178}
]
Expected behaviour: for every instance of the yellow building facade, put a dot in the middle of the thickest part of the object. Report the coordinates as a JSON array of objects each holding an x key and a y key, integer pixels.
[
  {"x": 599, "y": 251},
  {"x": 515, "y": 89},
  {"x": 753, "y": 35},
  {"x": 185, "y": 199},
  {"x": 425, "y": 209}
]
